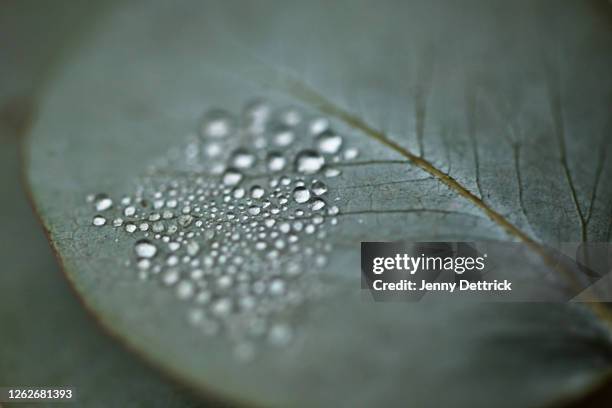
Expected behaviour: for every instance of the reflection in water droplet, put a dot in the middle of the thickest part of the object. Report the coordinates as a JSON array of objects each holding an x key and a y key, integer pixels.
[{"x": 308, "y": 162}]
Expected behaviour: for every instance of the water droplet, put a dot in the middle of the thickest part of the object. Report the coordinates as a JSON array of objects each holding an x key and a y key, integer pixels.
[
  {"x": 317, "y": 204},
  {"x": 231, "y": 177},
  {"x": 309, "y": 162},
  {"x": 242, "y": 159},
  {"x": 277, "y": 287},
  {"x": 290, "y": 117},
  {"x": 318, "y": 126},
  {"x": 255, "y": 115},
  {"x": 145, "y": 249},
  {"x": 193, "y": 248},
  {"x": 129, "y": 211},
  {"x": 318, "y": 187},
  {"x": 254, "y": 210},
  {"x": 276, "y": 161},
  {"x": 257, "y": 192},
  {"x": 216, "y": 123},
  {"x": 283, "y": 136},
  {"x": 280, "y": 335},
  {"x": 351, "y": 153},
  {"x": 99, "y": 221},
  {"x": 184, "y": 290},
  {"x": 332, "y": 172},
  {"x": 130, "y": 227},
  {"x": 301, "y": 195},
  {"x": 329, "y": 142},
  {"x": 102, "y": 202},
  {"x": 222, "y": 307}
]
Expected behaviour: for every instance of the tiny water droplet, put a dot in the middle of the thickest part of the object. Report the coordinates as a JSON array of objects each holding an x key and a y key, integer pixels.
[
  {"x": 317, "y": 204},
  {"x": 318, "y": 126},
  {"x": 99, "y": 221},
  {"x": 254, "y": 210},
  {"x": 318, "y": 187},
  {"x": 257, "y": 192},
  {"x": 130, "y": 227},
  {"x": 129, "y": 211},
  {"x": 351, "y": 153},
  {"x": 332, "y": 172},
  {"x": 102, "y": 202}
]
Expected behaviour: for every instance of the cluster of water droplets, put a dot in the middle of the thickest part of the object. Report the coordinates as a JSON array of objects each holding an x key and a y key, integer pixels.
[{"x": 235, "y": 222}]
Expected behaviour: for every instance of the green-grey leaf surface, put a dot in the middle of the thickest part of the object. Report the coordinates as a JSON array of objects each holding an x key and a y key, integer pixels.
[{"x": 510, "y": 99}]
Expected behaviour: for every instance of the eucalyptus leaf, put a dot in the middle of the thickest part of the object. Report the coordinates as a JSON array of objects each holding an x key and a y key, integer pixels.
[{"x": 475, "y": 121}]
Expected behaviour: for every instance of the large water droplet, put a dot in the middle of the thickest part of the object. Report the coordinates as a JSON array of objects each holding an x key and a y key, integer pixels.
[{"x": 308, "y": 162}]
